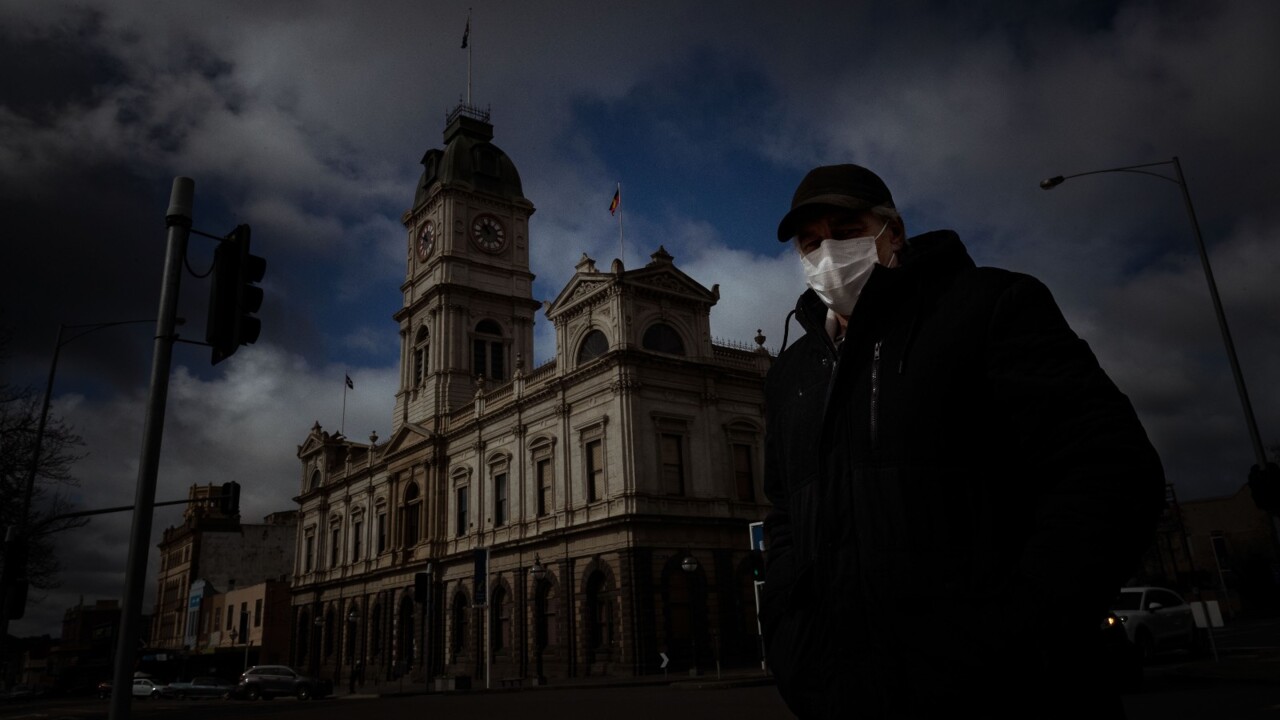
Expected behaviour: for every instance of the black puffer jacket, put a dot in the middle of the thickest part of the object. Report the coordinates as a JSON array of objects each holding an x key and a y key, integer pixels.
[{"x": 958, "y": 491}]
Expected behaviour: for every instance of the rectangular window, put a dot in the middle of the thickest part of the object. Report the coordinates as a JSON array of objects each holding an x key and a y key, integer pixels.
[
  {"x": 231, "y": 617},
  {"x": 542, "y": 471},
  {"x": 382, "y": 531},
  {"x": 335, "y": 537},
  {"x": 357, "y": 533},
  {"x": 308, "y": 556},
  {"x": 500, "y": 499},
  {"x": 743, "y": 477},
  {"x": 595, "y": 469},
  {"x": 257, "y": 612},
  {"x": 672, "y": 454},
  {"x": 461, "y": 518},
  {"x": 217, "y": 619}
]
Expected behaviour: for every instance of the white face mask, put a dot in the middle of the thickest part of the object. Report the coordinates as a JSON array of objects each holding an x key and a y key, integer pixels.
[{"x": 837, "y": 270}]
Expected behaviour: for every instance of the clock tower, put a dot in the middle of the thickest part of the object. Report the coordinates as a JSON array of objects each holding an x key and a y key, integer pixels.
[{"x": 468, "y": 308}]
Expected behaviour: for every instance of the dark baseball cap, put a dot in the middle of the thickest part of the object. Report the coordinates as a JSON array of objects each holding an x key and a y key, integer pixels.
[{"x": 852, "y": 187}]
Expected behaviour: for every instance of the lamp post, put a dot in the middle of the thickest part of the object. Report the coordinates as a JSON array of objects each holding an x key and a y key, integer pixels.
[
  {"x": 1178, "y": 179},
  {"x": 352, "y": 618},
  {"x": 690, "y": 565},
  {"x": 248, "y": 641},
  {"x": 318, "y": 624},
  {"x": 18, "y": 533},
  {"x": 539, "y": 620}
]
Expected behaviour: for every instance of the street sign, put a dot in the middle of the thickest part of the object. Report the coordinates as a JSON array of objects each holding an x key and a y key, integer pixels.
[
  {"x": 757, "y": 535},
  {"x": 665, "y": 660}
]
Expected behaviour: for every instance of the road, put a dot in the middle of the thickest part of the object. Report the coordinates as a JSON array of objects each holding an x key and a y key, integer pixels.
[
  {"x": 1160, "y": 699},
  {"x": 1164, "y": 696}
]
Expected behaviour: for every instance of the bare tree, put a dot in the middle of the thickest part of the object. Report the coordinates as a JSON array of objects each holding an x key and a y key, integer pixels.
[{"x": 59, "y": 451}]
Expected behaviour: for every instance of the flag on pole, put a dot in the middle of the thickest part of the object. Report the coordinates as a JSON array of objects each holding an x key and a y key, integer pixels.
[
  {"x": 617, "y": 198},
  {"x": 349, "y": 383},
  {"x": 466, "y": 32}
]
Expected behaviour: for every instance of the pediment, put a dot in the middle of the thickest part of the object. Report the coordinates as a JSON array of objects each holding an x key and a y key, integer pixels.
[
  {"x": 668, "y": 279},
  {"x": 313, "y": 443},
  {"x": 579, "y": 288},
  {"x": 408, "y": 436}
]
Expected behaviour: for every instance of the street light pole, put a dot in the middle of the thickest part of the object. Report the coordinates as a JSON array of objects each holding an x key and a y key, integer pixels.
[
  {"x": 19, "y": 532},
  {"x": 178, "y": 219},
  {"x": 539, "y": 620},
  {"x": 1254, "y": 436},
  {"x": 690, "y": 566}
]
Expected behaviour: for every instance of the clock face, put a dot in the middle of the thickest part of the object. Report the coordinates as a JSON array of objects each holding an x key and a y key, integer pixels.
[
  {"x": 488, "y": 234},
  {"x": 426, "y": 240}
]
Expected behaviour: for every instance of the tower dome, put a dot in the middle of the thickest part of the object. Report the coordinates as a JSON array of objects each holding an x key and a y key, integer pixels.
[{"x": 469, "y": 161}]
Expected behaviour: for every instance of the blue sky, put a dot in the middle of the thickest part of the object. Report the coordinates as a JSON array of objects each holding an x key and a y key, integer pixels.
[{"x": 310, "y": 125}]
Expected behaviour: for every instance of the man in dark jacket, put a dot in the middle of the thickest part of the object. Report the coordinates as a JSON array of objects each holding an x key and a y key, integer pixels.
[{"x": 958, "y": 489}]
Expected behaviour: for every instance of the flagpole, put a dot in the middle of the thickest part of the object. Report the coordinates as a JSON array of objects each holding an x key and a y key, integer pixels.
[
  {"x": 468, "y": 39},
  {"x": 343, "y": 425},
  {"x": 622, "y": 248}
]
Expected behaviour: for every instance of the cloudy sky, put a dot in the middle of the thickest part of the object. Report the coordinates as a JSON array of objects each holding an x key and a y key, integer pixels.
[{"x": 307, "y": 121}]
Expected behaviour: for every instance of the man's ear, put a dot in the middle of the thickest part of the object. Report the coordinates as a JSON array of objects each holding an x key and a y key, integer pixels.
[{"x": 899, "y": 232}]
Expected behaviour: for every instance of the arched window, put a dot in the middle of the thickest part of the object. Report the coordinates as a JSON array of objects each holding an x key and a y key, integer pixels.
[
  {"x": 663, "y": 338},
  {"x": 488, "y": 351},
  {"x": 500, "y": 607},
  {"x": 544, "y": 615},
  {"x": 375, "y": 630},
  {"x": 458, "y": 623},
  {"x": 411, "y": 514},
  {"x": 599, "y": 613},
  {"x": 330, "y": 631},
  {"x": 421, "y": 342},
  {"x": 305, "y": 628},
  {"x": 593, "y": 346},
  {"x": 405, "y": 638}
]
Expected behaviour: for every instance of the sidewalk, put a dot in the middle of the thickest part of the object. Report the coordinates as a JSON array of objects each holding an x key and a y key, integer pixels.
[
  {"x": 737, "y": 677},
  {"x": 1246, "y": 665}
]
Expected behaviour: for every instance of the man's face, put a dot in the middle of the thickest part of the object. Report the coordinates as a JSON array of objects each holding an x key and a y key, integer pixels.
[{"x": 837, "y": 224}]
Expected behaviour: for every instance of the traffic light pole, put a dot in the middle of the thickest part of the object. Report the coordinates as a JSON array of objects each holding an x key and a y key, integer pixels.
[{"x": 178, "y": 219}]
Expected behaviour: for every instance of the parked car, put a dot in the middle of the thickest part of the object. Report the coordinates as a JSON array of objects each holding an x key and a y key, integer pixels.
[
  {"x": 199, "y": 687},
  {"x": 147, "y": 688},
  {"x": 104, "y": 689},
  {"x": 1156, "y": 619},
  {"x": 268, "y": 681}
]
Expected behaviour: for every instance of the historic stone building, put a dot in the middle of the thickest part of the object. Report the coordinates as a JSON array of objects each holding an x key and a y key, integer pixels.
[
  {"x": 208, "y": 554},
  {"x": 611, "y": 487}
]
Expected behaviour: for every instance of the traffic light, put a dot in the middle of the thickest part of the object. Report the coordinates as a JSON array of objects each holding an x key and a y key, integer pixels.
[
  {"x": 233, "y": 296},
  {"x": 756, "y": 563},
  {"x": 14, "y": 581},
  {"x": 229, "y": 501}
]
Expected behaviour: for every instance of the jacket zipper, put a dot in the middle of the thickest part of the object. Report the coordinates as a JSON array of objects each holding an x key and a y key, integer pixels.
[{"x": 875, "y": 396}]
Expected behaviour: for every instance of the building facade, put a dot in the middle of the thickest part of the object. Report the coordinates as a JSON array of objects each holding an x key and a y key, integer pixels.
[
  {"x": 209, "y": 554},
  {"x": 610, "y": 489}
]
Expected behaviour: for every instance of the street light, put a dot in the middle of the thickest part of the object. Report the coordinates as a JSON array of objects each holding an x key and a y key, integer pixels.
[
  {"x": 19, "y": 533},
  {"x": 1181, "y": 182},
  {"x": 690, "y": 565},
  {"x": 539, "y": 620},
  {"x": 352, "y": 618}
]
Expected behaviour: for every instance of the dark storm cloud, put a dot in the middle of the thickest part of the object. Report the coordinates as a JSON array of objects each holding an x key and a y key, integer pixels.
[{"x": 310, "y": 125}]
